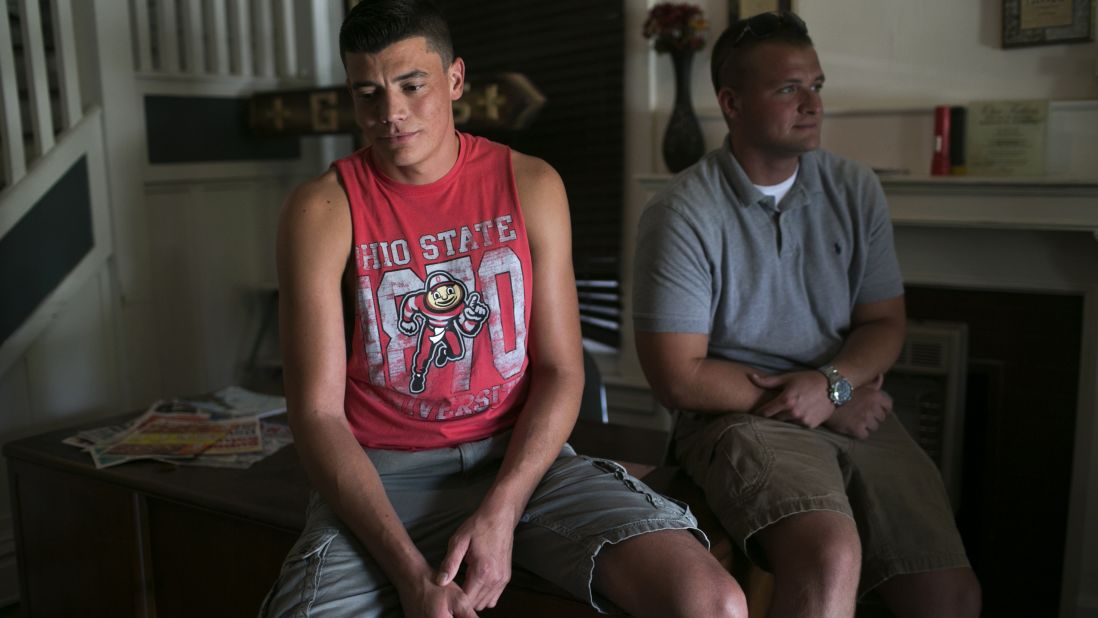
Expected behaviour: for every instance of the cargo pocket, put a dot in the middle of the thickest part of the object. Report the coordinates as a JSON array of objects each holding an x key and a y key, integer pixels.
[
  {"x": 739, "y": 459},
  {"x": 295, "y": 591},
  {"x": 631, "y": 482}
]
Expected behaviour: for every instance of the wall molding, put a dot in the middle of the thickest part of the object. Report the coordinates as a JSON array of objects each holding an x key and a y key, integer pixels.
[{"x": 84, "y": 140}]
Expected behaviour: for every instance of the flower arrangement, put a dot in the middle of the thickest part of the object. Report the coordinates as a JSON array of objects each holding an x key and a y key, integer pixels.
[{"x": 676, "y": 27}]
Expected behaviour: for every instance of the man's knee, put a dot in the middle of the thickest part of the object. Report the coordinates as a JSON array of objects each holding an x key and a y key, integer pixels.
[
  {"x": 969, "y": 596},
  {"x": 824, "y": 542},
  {"x": 668, "y": 573},
  {"x": 725, "y": 601},
  {"x": 944, "y": 593},
  {"x": 714, "y": 593},
  {"x": 960, "y": 592}
]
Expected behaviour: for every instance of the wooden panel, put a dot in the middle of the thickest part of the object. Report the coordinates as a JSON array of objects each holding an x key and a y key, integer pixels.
[
  {"x": 38, "y": 253},
  {"x": 89, "y": 370},
  {"x": 96, "y": 562},
  {"x": 170, "y": 141},
  {"x": 236, "y": 224},
  {"x": 228, "y": 573},
  {"x": 81, "y": 143}
]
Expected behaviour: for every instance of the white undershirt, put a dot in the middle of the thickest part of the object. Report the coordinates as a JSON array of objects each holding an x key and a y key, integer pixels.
[{"x": 779, "y": 190}]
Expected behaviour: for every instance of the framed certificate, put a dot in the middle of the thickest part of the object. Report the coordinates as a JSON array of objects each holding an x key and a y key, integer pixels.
[
  {"x": 740, "y": 9},
  {"x": 1007, "y": 138},
  {"x": 1047, "y": 22}
]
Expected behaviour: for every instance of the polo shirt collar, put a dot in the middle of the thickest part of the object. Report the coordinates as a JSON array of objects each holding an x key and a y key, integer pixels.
[{"x": 801, "y": 193}]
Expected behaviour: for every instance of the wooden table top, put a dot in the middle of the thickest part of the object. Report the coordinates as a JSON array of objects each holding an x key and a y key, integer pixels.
[{"x": 274, "y": 490}]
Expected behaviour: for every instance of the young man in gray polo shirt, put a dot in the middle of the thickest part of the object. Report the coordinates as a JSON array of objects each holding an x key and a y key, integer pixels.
[{"x": 768, "y": 305}]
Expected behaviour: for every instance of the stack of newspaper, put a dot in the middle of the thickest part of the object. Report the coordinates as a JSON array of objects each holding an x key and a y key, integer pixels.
[{"x": 223, "y": 429}]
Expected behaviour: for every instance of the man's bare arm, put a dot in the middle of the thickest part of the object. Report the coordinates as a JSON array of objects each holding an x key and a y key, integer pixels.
[
  {"x": 683, "y": 378},
  {"x": 877, "y": 332},
  {"x": 556, "y": 384},
  {"x": 314, "y": 243}
]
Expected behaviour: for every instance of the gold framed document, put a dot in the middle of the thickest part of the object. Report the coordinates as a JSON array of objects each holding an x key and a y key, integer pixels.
[
  {"x": 1047, "y": 22},
  {"x": 1007, "y": 138}
]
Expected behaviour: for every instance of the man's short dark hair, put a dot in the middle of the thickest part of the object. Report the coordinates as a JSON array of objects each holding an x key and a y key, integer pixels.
[
  {"x": 373, "y": 25},
  {"x": 727, "y": 66}
]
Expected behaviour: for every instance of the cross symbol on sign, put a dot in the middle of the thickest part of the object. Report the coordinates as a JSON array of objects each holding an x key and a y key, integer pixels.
[
  {"x": 279, "y": 114},
  {"x": 491, "y": 101}
]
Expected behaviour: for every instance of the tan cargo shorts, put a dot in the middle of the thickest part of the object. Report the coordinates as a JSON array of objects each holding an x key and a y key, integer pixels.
[{"x": 756, "y": 471}]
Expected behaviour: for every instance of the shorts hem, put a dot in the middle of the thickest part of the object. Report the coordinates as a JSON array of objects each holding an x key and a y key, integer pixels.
[
  {"x": 742, "y": 531},
  {"x": 584, "y": 577},
  {"x": 879, "y": 571}
]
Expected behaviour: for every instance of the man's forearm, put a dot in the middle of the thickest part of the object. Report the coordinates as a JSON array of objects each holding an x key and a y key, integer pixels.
[
  {"x": 870, "y": 349},
  {"x": 349, "y": 483},
  {"x": 543, "y": 426},
  {"x": 715, "y": 386}
]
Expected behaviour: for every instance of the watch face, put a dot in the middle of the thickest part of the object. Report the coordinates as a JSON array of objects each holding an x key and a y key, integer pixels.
[{"x": 841, "y": 392}]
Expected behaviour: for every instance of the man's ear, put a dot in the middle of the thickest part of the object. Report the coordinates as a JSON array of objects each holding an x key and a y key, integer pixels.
[
  {"x": 728, "y": 102},
  {"x": 456, "y": 75}
]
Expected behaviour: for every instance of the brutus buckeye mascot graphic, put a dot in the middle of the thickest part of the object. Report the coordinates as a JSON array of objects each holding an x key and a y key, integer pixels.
[{"x": 441, "y": 314}]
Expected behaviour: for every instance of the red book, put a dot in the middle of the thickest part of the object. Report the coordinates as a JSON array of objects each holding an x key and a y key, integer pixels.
[{"x": 940, "y": 163}]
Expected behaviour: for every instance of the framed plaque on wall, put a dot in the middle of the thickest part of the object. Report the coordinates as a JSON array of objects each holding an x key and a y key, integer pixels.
[
  {"x": 1047, "y": 22},
  {"x": 739, "y": 9}
]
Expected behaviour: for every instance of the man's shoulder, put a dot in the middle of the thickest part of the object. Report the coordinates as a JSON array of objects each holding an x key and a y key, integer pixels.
[
  {"x": 840, "y": 169},
  {"x": 319, "y": 200},
  {"x": 536, "y": 182},
  {"x": 528, "y": 168},
  {"x": 695, "y": 190},
  {"x": 326, "y": 187}
]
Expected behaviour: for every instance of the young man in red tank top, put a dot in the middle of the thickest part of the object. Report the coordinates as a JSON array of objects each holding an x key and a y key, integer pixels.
[{"x": 437, "y": 443}]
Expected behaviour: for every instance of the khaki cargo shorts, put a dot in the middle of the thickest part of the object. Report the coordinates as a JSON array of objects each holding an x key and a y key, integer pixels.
[{"x": 756, "y": 471}]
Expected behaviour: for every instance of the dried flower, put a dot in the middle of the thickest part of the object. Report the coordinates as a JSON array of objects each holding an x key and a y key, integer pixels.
[{"x": 676, "y": 27}]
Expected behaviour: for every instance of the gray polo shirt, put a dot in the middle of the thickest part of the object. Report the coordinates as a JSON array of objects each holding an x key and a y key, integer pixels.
[{"x": 772, "y": 285}]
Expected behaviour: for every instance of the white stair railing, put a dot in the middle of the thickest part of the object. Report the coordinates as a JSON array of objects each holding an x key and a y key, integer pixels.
[
  {"x": 200, "y": 38},
  {"x": 24, "y": 54},
  {"x": 45, "y": 132}
]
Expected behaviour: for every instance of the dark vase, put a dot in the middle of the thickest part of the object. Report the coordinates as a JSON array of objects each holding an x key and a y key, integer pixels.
[{"x": 682, "y": 141}]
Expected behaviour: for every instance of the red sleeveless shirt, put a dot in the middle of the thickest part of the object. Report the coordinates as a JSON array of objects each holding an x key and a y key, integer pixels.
[{"x": 439, "y": 350}]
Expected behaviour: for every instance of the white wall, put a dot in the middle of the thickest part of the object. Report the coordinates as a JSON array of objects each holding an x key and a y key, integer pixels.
[{"x": 890, "y": 54}]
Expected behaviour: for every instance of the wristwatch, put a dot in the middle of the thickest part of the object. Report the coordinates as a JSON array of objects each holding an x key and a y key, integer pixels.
[{"x": 839, "y": 390}]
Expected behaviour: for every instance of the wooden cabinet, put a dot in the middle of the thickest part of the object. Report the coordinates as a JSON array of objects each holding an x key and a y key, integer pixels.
[
  {"x": 154, "y": 539},
  {"x": 148, "y": 538}
]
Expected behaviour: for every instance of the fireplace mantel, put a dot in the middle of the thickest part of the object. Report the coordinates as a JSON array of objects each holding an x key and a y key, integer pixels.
[{"x": 1053, "y": 204}]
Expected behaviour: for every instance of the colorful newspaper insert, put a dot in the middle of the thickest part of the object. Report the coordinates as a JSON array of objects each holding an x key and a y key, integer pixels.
[
  {"x": 244, "y": 436},
  {"x": 162, "y": 435}
]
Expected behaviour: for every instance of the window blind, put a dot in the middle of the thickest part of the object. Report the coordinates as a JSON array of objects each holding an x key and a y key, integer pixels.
[{"x": 574, "y": 53}]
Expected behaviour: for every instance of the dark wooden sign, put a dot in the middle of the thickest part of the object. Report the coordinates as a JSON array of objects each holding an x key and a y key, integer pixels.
[{"x": 490, "y": 102}]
